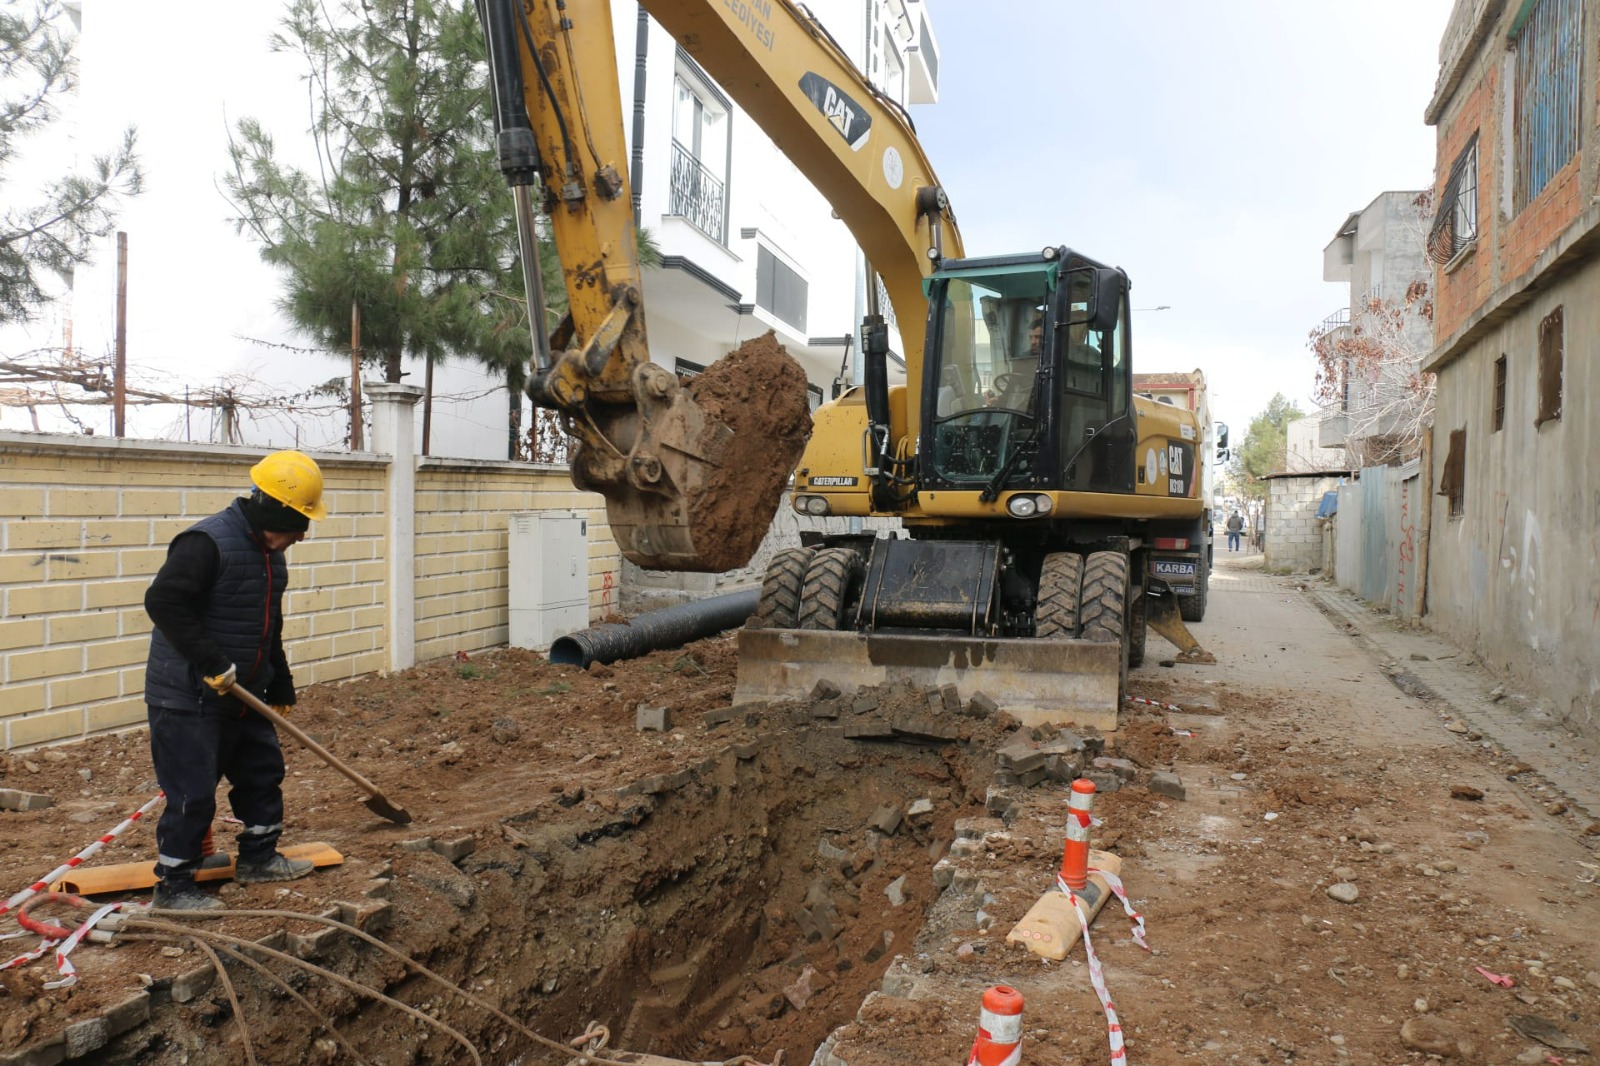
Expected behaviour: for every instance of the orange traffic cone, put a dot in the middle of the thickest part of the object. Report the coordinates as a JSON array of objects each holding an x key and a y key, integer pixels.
[
  {"x": 1075, "y": 855},
  {"x": 999, "y": 1041}
]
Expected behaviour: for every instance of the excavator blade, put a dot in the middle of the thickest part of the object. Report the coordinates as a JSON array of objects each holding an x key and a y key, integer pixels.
[{"x": 1065, "y": 682}]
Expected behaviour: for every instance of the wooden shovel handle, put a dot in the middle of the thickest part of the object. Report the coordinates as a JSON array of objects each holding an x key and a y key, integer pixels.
[{"x": 295, "y": 731}]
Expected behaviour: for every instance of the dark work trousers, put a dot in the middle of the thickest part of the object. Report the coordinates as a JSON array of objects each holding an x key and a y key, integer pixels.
[{"x": 192, "y": 751}]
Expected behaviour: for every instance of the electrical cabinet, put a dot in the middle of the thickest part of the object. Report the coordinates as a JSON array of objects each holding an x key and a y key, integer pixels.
[{"x": 549, "y": 576}]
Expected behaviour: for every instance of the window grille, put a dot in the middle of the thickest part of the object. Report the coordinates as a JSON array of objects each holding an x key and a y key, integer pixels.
[
  {"x": 1455, "y": 226},
  {"x": 1452, "y": 482},
  {"x": 1499, "y": 421},
  {"x": 1549, "y": 94}
]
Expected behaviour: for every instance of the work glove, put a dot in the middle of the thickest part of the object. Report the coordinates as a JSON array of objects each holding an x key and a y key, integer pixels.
[
  {"x": 224, "y": 681},
  {"x": 283, "y": 708}
]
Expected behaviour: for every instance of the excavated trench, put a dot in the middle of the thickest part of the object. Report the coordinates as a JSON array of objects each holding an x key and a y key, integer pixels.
[{"x": 742, "y": 905}]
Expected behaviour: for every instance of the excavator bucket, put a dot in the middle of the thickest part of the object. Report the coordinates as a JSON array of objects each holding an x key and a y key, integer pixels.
[
  {"x": 1065, "y": 682},
  {"x": 707, "y": 461}
]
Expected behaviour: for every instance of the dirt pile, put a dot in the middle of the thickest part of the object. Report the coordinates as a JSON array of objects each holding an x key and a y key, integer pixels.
[{"x": 759, "y": 393}]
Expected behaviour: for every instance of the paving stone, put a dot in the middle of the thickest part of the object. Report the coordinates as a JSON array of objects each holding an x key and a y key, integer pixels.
[
  {"x": 419, "y": 844},
  {"x": 919, "y": 807},
  {"x": 14, "y": 799},
  {"x": 378, "y": 888},
  {"x": 944, "y": 871},
  {"x": 886, "y": 820},
  {"x": 369, "y": 916},
  {"x": 950, "y": 699},
  {"x": 721, "y": 716},
  {"x": 870, "y": 727},
  {"x": 1104, "y": 780},
  {"x": 976, "y": 828},
  {"x": 864, "y": 703},
  {"x": 1166, "y": 784},
  {"x": 316, "y": 944},
  {"x": 652, "y": 719},
  {"x": 1019, "y": 756},
  {"x": 1033, "y": 777},
  {"x": 827, "y": 710},
  {"x": 1121, "y": 767},
  {"x": 135, "y": 1010},
  {"x": 982, "y": 705},
  {"x": 925, "y": 726},
  {"x": 456, "y": 849},
  {"x": 194, "y": 984},
  {"x": 824, "y": 689}
]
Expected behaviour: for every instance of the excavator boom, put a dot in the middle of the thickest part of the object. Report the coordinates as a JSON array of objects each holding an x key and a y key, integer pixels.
[{"x": 671, "y": 469}]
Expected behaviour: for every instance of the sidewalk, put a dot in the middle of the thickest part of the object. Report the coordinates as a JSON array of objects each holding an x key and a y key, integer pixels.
[{"x": 1423, "y": 664}]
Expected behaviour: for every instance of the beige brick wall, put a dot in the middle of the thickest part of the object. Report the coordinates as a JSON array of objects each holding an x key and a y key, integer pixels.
[
  {"x": 85, "y": 524},
  {"x": 462, "y": 519}
]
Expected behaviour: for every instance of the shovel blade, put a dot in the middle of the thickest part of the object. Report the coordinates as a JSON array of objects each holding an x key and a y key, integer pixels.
[{"x": 384, "y": 809}]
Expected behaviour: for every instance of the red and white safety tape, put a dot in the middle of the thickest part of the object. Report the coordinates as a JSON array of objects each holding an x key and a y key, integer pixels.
[
  {"x": 80, "y": 858},
  {"x": 1153, "y": 703},
  {"x": 63, "y": 964},
  {"x": 1097, "y": 976}
]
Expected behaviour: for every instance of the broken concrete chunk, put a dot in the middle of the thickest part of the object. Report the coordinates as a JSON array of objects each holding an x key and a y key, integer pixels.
[
  {"x": 982, "y": 705},
  {"x": 919, "y": 807},
  {"x": 864, "y": 703},
  {"x": 1167, "y": 784},
  {"x": 455, "y": 849},
  {"x": 652, "y": 719},
  {"x": 944, "y": 871},
  {"x": 1104, "y": 780},
  {"x": 721, "y": 716},
  {"x": 824, "y": 689},
  {"x": 886, "y": 820},
  {"x": 896, "y": 891},
  {"x": 1019, "y": 757},
  {"x": 950, "y": 698},
  {"x": 870, "y": 727}
]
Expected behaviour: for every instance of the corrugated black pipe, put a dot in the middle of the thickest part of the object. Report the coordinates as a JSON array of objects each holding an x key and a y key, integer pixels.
[{"x": 654, "y": 630}]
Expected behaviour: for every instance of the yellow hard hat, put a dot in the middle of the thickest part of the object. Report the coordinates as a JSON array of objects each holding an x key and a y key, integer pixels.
[{"x": 294, "y": 480}]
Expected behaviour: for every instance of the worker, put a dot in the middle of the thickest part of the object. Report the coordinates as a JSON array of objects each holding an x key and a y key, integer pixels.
[
  {"x": 217, "y": 605},
  {"x": 1235, "y": 528}
]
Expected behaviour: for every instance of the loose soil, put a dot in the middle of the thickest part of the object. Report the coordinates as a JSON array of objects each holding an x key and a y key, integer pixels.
[
  {"x": 732, "y": 886},
  {"x": 759, "y": 393}
]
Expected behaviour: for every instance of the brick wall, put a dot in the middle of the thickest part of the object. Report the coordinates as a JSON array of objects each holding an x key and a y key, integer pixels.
[
  {"x": 85, "y": 524},
  {"x": 462, "y": 574},
  {"x": 1464, "y": 288}
]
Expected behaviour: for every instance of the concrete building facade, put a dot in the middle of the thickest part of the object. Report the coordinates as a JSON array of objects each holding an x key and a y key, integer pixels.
[
  {"x": 1514, "y": 552},
  {"x": 1377, "y": 342}
]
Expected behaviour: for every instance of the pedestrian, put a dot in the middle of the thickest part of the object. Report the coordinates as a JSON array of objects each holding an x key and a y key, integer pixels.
[
  {"x": 217, "y": 605},
  {"x": 1235, "y": 527}
]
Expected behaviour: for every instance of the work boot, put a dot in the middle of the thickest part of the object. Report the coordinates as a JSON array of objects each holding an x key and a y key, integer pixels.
[
  {"x": 276, "y": 867},
  {"x": 183, "y": 895}
]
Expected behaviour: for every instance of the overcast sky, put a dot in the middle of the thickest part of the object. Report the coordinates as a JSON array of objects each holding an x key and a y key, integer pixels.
[{"x": 1210, "y": 149}]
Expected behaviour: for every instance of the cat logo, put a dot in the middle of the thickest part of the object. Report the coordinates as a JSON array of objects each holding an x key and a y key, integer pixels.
[{"x": 839, "y": 108}]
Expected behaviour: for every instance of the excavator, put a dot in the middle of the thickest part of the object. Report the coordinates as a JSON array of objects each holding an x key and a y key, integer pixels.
[{"x": 1048, "y": 515}]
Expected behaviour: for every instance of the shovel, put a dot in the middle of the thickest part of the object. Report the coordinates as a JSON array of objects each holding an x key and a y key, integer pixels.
[{"x": 378, "y": 804}]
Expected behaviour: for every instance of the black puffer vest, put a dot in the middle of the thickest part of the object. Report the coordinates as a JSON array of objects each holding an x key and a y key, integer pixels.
[{"x": 245, "y": 606}]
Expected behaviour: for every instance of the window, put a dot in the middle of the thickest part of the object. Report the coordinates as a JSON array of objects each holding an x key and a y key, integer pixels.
[
  {"x": 1551, "y": 344},
  {"x": 780, "y": 289},
  {"x": 1549, "y": 93},
  {"x": 1455, "y": 226},
  {"x": 699, "y": 155},
  {"x": 1499, "y": 420},
  {"x": 1452, "y": 482},
  {"x": 685, "y": 369}
]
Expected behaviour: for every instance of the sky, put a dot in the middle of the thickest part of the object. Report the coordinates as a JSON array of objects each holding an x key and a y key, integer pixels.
[{"x": 1210, "y": 149}]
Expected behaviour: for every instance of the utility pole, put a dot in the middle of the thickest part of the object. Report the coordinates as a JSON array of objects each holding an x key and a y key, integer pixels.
[
  {"x": 427, "y": 404},
  {"x": 119, "y": 395},
  {"x": 355, "y": 376}
]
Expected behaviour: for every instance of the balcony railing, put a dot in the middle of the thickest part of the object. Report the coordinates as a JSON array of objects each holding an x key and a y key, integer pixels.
[
  {"x": 697, "y": 195},
  {"x": 1334, "y": 321}
]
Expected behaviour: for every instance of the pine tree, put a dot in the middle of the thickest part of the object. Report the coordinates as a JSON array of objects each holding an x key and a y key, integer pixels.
[
  {"x": 55, "y": 230},
  {"x": 1265, "y": 446},
  {"x": 407, "y": 215}
]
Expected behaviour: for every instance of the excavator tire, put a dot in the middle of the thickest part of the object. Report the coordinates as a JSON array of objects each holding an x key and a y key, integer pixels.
[
  {"x": 779, "y": 606},
  {"x": 1060, "y": 585},
  {"x": 1193, "y": 608},
  {"x": 1137, "y": 628},
  {"x": 1105, "y": 604},
  {"x": 834, "y": 573}
]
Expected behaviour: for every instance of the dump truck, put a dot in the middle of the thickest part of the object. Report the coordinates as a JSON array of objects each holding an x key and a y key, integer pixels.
[{"x": 1038, "y": 496}]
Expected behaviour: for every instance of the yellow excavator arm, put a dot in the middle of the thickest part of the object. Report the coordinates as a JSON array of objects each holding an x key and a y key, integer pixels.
[{"x": 666, "y": 466}]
